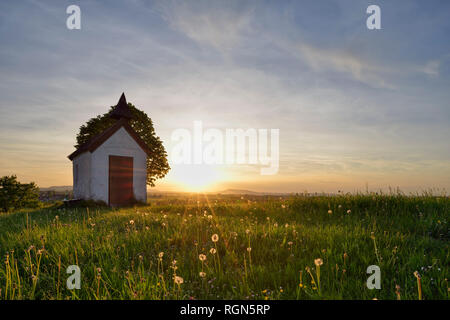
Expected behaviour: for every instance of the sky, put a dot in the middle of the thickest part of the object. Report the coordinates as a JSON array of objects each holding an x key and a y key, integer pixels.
[{"x": 355, "y": 108}]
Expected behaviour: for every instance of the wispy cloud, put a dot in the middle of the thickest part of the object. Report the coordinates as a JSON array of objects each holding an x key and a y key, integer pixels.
[
  {"x": 217, "y": 24},
  {"x": 432, "y": 67},
  {"x": 345, "y": 62}
]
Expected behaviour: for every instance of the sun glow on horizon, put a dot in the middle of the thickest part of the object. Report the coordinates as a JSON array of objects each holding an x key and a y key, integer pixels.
[{"x": 196, "y": 177}]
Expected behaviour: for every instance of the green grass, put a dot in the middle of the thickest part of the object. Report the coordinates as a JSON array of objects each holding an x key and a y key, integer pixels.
[{"x": 118, "y": 250}]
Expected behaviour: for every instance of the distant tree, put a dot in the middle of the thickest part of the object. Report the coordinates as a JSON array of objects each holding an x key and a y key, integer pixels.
[
  {"x": 157, "y": 164},
  {"x": 16, "y": 195}
]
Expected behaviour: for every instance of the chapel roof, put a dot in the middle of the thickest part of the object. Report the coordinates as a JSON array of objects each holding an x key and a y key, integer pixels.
[
  {"x": 120, "y": 113},
  {"x": 121, "y": 110}
]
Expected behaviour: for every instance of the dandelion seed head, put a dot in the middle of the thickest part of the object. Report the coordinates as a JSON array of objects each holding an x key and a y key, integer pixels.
[{"x": 178, "y": 280}]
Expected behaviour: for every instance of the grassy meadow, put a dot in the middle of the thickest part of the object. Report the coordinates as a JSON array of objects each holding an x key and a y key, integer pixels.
[{"x": 231, "y": 247}]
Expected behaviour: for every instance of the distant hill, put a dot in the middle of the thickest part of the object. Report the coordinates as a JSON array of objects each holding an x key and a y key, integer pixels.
[
  {"x": 227, "y": 191},
  {"x": 238, "y": 191},
  {"x": 249, "y": 192},
  {"x": 57, "y": 188}
]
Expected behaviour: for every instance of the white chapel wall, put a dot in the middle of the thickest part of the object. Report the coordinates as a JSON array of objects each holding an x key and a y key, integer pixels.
[
  {"x": 82, "y": 176},
  {"x": 119, "y": 144}
]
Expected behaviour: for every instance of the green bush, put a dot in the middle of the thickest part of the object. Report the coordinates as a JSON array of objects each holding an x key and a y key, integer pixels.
[{"x": 15, "y": 195}]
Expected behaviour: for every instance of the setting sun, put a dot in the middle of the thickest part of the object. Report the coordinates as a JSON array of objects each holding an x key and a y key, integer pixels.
[{"x": 196, "y": 177}]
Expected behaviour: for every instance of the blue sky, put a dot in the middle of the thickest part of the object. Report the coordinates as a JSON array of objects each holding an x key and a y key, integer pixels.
[{"x": 353, "y": 106}]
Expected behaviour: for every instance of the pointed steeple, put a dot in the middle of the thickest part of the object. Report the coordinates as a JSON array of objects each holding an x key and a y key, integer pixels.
[{"x": 121, "y": 110}]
